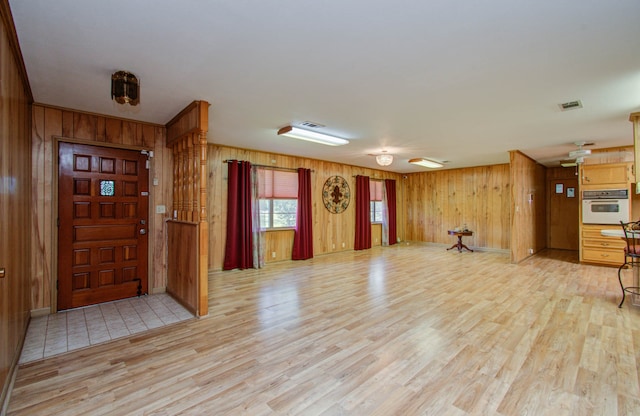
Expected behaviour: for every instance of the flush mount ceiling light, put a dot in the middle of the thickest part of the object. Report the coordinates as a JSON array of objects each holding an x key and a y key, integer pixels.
[
  {"x": 125, "y": 88},
  {"x": 311, "y": 136},
  {"x": 384, "y": 159},
  {"x": 426, "y": 163}
]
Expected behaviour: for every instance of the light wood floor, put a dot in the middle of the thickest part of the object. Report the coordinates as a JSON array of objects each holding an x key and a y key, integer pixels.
[{"x": 404, "y": 330}]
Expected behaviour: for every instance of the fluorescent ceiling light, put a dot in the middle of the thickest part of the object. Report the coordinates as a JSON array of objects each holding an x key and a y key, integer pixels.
[
  {"x": 311, "y": 136},
  {"x": 426, "y": 163}
]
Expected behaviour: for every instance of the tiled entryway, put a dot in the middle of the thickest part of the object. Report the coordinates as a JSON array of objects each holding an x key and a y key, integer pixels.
[{"x": 78, "y": 328}]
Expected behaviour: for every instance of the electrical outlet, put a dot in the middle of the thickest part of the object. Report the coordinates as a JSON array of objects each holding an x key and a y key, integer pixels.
[
  {"x": 161, "y": 209},
  {"x": 333, "y": 246},
  {"x": 273, "y": 254},
  {"x": 343, "y": 245},
  {"x": 530, "y": 251}
]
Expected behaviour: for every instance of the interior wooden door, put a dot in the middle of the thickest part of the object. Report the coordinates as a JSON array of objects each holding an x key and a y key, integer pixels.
[
  {"x": 564, "y": 214},
  {"x": 103, "y": 205}
]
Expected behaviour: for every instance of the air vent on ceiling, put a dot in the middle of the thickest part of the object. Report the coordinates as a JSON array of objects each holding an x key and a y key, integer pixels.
[
  {"x": 571, "y": 105},
  {"x": 312, "y": 125}
]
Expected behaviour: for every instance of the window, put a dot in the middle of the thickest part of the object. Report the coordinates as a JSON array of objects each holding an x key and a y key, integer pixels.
[
  {"x": 375, "y": 189},
  {"x": 278, "y": 195}
]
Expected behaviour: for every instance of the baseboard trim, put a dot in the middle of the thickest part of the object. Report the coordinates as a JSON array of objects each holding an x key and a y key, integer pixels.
[
  {"x": 40, "y": 312},
  {"x": 157, "y": 290}
]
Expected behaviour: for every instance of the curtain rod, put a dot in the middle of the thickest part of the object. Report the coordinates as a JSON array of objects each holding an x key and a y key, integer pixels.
[
  {"x": 264, "y": 166},
  {"x": 370, "y": 178}
]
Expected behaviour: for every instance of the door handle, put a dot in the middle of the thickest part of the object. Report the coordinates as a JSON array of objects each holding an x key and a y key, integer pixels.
[
  {"x": 2, "y": 272},
  {"x": 143, "y": 231}
]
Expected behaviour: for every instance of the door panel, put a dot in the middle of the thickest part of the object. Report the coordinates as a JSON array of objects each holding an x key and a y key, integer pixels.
[
  {"x": 103, "y": 202},
  {"x": 563, "y": 215}
]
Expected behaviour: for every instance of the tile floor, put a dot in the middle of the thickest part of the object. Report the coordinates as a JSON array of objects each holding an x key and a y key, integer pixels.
[{"x": 78, "y": 328}]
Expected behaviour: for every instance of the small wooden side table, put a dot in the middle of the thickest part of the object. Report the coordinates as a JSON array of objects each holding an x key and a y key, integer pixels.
[{"x": 459, "y": 244}]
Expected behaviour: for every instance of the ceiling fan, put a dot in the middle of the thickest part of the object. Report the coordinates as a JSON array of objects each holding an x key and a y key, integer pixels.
[{"x": 577, "y": 156}]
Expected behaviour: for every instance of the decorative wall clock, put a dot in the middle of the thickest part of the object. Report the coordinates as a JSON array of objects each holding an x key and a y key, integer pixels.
[{"x": 336, "y": 194}]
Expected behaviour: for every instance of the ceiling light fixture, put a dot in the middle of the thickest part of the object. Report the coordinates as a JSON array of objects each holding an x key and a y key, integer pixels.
[
  {"x": 384, "y": 159},
  {"x": 311, "y": 136},
  {"x": 125, "y": 88},
  {"x": 426, "y": 163}
]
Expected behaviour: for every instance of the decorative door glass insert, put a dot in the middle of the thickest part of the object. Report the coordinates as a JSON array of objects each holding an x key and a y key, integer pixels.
[{"x": 107, "y": 188}]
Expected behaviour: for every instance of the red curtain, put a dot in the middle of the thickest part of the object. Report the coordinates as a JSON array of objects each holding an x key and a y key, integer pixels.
[
  {"x": 363, "y": 213},
  {"x": 390, "y": 187},
  {"x": 303, "y": 237},
  {"x": 238, "y": 249}
]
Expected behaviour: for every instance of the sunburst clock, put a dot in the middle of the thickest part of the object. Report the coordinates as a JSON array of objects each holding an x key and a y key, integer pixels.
[{"x": 336, "y": 194}]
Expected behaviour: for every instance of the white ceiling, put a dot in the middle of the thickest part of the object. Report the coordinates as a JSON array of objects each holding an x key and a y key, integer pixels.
[{"x": 463, "y": 81}]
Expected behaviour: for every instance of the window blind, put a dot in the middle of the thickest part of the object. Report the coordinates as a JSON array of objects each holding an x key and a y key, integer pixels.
[
  {"x": 277, "y": 184},
  {"x": 375, "y": 190}
]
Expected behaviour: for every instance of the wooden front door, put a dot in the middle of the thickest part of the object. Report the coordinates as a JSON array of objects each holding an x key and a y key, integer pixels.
[{"x": 103, "y": 205}]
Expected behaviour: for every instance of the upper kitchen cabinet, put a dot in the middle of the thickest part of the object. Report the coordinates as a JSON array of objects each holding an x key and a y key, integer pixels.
[{"x": 606, "y": 174}]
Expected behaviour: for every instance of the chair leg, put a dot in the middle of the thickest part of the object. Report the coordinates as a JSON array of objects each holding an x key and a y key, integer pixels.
[{"x": 621, "y": 285}]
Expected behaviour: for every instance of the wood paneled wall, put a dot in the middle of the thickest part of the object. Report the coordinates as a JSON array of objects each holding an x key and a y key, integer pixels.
[
  {"x": 187, "y": 139},
  {"x": 182, "y": 265},
  {"x": 331, "y": 232},
  {"x": 15, "y": 201},
  {"x": 50, "y": 124},
  {"x": 528, "y": 206},
  {"x": 438, "y": 201}
]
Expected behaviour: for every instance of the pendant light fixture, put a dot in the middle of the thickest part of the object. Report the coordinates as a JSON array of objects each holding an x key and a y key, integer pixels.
[
  {"x": 384, "y": 159},
  {"x": 125, "y": 88}
]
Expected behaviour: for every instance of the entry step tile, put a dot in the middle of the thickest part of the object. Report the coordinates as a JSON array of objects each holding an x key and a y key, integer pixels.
[{"x": 82, "y": 327}]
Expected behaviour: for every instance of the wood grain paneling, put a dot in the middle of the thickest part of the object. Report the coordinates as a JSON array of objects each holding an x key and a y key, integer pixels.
[
  {"x": 635, "y": 205},
  {"x": 15, "y": 200},
  {"x": 189, "y": 120},
  {"x": 161, "y": 174},
  {"x": 50, "y": 124},
  {"x": 190, "y": 191},
  {"x": 278, "y": 245},
  {"x": 331, "y": 232},
  {"x": 438, "y": 201},
  {"x": 528, "y": 206},
  {"x": 607, "y": 155},
  {"x": 182, "y": 264}
]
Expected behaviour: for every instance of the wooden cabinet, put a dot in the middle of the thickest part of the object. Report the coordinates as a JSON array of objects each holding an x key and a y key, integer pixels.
[
  {"x": 635, "y": 119},
  {"x": 599, "y": 249},
  {"x": 607, "y": 174},
  {"x": 595, "y": 248}
]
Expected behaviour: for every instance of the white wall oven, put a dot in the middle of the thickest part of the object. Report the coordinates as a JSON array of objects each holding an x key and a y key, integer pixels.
[{"x": 605, "y": 206}]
